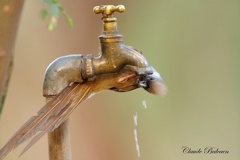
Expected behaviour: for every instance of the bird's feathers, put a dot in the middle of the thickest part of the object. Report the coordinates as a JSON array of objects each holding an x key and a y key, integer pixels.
[
  {"x": 59, "y": 108},
  {"x": 48, "y": 118}
]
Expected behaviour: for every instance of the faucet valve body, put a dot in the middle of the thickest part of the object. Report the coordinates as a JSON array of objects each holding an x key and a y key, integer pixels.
[{"x": 114, "y": 54}]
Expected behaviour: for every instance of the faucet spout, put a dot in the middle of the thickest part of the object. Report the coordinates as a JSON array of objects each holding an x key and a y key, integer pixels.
[{"x": 113, "y": 57}]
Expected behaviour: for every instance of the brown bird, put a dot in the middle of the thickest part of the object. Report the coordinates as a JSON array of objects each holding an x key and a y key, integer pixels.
[{"x": 56, "y": 111}]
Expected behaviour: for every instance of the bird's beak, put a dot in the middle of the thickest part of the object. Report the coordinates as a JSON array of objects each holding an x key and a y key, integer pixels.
[{"x": 153, "y": 83}]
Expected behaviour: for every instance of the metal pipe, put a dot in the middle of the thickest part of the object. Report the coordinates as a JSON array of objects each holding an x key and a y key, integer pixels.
[
  {"x": 59, "y": 74},
  {"x": 59, "y": 142}
]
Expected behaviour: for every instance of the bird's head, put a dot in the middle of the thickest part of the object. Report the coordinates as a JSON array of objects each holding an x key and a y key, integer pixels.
[{"x": 130, "y": 78}]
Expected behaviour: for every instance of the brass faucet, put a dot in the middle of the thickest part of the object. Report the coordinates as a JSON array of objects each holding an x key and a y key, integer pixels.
[
  {"x": 114, "y": 54},
  {"x": 73, "y": 78}
]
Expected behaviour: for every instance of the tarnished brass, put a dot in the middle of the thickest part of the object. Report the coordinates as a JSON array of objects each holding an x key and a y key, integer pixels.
[
  {"x": 61, "y": 72},
  {"x": 69, "y": 80},
  {"x": 114, "y": 54},
  {"x": 59, "y": 141},
  {"x": 113, "y": 57}
]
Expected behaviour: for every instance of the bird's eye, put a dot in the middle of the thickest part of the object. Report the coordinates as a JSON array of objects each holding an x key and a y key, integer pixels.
[
  {"x": 114, "y": 88},
  {"x": 142, "y": 84}
]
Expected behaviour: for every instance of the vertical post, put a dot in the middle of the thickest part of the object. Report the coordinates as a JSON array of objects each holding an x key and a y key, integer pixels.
[
  {"x": 59, "y": 142},
  {"x": 59, "y": 74}
]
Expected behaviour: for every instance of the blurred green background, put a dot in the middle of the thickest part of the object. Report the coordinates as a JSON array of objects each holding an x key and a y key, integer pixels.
[{"x": 194, "y": 44}]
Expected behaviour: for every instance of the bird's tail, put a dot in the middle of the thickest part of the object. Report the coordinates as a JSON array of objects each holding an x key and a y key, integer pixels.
[{"x": 50, "y": 116}]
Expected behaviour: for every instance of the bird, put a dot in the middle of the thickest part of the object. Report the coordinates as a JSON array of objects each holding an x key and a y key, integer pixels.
[{"x": 58, "y": 109}]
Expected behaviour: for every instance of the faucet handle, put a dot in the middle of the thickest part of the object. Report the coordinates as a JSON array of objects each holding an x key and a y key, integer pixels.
[{"x": 108, "y": 10}]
